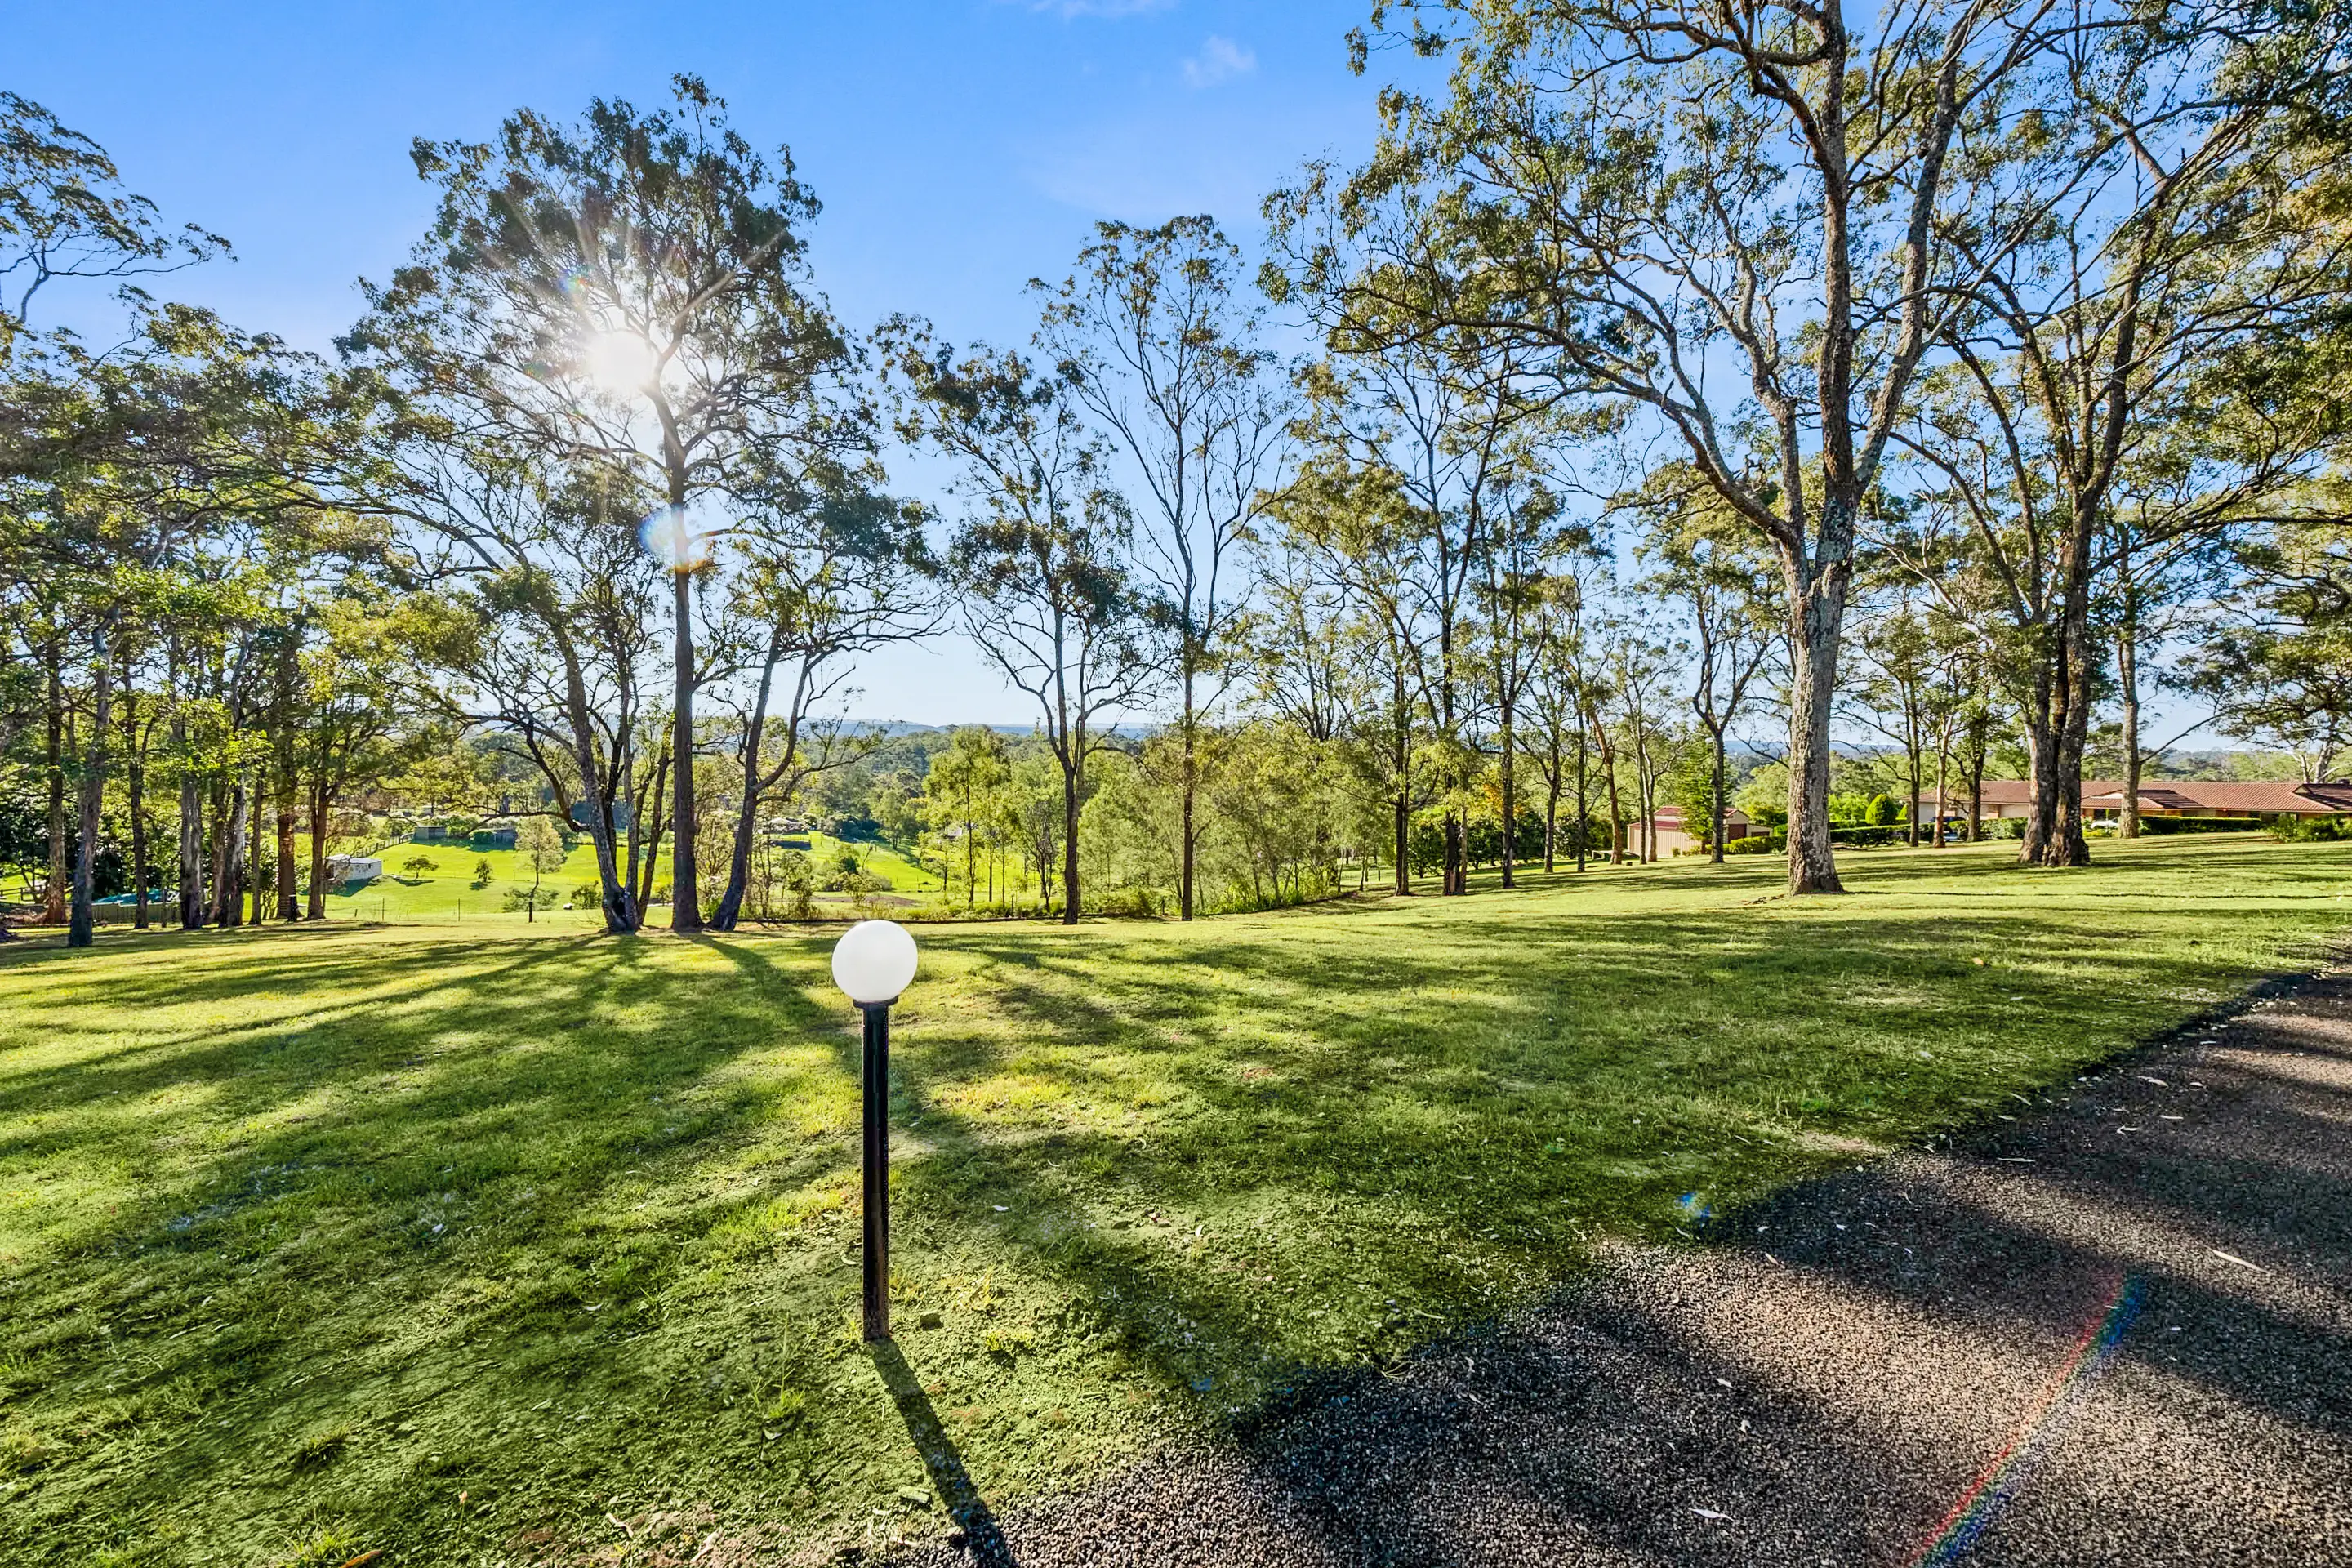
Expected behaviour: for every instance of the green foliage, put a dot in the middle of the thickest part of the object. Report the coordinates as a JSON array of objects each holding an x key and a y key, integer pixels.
[
  {"x": 2289, "y": 830},
  {"x": 420, "y": 865}
]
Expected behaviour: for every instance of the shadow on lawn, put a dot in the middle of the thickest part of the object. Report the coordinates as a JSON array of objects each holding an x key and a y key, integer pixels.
[
  {"x": 982, "y": 1538},
  {"x": 1710, "y": 1406},
  {"x": 1430, "y": 1093},
  {"x": 1389, "y": 1087}
]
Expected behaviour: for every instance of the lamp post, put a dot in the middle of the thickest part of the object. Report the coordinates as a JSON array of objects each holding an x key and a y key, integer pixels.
[{"x": 872, "y": 963}]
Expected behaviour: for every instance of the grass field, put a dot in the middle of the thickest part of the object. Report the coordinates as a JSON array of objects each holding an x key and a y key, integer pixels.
[
  {"x": 457, "y": 1242},
  {"x": 449, "y": 893}
]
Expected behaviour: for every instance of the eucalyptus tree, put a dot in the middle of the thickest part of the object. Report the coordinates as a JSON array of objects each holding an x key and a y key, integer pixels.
[
  {"x": 1172, "y": 367},
  {"x": 1525, "y": 541},
  {"x": 1741, "y": 223},
  {"x": 628, "y": 294},
  {"x": 1448, "y": 411},
  {"x": 2192, "y": 254},
  {"x": 65, "y": 215},
  {"x": 2276, "y": 664},
  {"x": 543, "y": 620},
  {"x": 191, "y": 442},
  {"x": 1040, "y": 556},
  {"x": 1715, "y": 572},
  {"x": 820, "y": 579},
  {"x": 1352, "y": 528},
  {"x": 1559, "y": 695}
]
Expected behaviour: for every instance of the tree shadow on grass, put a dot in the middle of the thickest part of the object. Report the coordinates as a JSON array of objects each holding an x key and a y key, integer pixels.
[{"x": 1827, "y": 1378}]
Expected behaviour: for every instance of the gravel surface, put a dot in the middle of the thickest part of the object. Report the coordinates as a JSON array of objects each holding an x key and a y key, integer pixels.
[{"x": 1841, "y": 1374}]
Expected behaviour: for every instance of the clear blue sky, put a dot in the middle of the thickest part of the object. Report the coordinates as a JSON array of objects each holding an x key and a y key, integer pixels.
[{"x": 960, "y": 147}]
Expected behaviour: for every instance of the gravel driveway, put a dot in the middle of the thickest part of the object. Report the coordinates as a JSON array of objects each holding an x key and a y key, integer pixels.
[{"x": 2116, "y": 1331}]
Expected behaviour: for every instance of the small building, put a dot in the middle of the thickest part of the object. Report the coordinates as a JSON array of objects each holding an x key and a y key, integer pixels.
[
  {"x": 2245, "y": 800},
  {"x": 495, "y": 834},
  {"x": 430, "y": 833},
  {"x": 1676, "y": 837},
  {"x": 352, "y": 870}
]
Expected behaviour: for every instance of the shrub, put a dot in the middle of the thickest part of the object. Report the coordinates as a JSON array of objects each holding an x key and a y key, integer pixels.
[
  {"x": 2292, "y": 829},
  {"x": 482, "y": 872},
  {"x": 1754, "y": 844},
  {"x": 418, "y": 865}
]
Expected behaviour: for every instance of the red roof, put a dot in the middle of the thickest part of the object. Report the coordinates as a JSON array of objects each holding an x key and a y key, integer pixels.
[
  {"x": 1670, "y": 818},
  {"x": 2268, "y": 795}
]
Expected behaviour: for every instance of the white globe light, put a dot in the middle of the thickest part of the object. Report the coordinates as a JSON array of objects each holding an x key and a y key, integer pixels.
[{"x": 873, "y": 961}]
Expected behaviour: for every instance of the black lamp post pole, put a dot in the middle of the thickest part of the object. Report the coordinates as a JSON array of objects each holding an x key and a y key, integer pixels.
[{"x": 877, "y": 1250}]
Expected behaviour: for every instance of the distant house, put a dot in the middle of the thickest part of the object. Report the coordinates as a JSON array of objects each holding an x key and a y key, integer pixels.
[
  {"x": 351, "y": 870},
  {"x": 1676, "y": 837},
  {"x": 2102, "y": 799},
  {"x": 430, "y": 833},
  {"x": 493, "y": 834}
]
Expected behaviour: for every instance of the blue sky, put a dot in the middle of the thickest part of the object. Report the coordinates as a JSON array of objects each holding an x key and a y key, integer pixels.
[{"x": 960, "y": 147}]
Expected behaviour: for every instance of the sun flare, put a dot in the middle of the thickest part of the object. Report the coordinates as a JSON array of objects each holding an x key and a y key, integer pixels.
[{"x": 620, "y": 362}]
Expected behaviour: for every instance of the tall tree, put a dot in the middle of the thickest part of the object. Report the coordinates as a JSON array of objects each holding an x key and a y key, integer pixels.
[
  {"x": 1040, "y": 554},
  {"x": 628, "y": 293},
  {"x": 65, "y": 215},
  {"x": 2185, "y": 175},
  {"x": 1639, "y": 197},
  {"x": 1710, "y": 566},
  {"x": 1168, "y": 362}
]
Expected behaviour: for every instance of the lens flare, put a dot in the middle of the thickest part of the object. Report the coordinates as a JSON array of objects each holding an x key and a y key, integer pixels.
[
  {"x": 673, "y": 539},
  {"x": 621, "y": 363}
]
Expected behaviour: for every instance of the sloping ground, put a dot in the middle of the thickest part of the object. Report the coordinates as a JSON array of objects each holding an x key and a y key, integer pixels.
[
  {"x": 2117, "y": 1330},
  {"x": 501, "y": 1245}
]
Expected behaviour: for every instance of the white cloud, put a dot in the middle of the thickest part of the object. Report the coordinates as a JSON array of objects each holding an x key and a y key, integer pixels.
[{"x": 1219, "y": 59}]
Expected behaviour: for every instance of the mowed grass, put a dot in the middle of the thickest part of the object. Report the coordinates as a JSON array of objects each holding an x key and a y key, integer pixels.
[
  {"x": 489, "y": 1245},
  {"x": 451, "y": 893}
]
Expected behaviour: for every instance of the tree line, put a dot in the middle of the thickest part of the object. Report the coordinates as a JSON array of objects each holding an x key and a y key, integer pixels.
[{"x": 1674, "y": 390}]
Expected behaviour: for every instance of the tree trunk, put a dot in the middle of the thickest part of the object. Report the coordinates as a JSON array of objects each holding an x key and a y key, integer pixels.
[
  {"x": 83, "y": 931},
  {"x": 318, "y": 900},
  {"x": 747, "y": 815},
  {"x": 257, "y": 864},
  {"x": 1552, "y": 781},
  {"x": 228, "y": 857},
  {"x": 685, "y": 907},
  {"x": 2127, "y": 680},
  {"x": 1402, "y": 746},
  {"x": 1190, "y": 784},
  {"x": 1072, "y": 781},
  {"x": 134, "y": 757},
  {"x": 1819, "y": 612},
  {"x": 624, "y": 912},
  {"x": 1510, "y": 793},
  {"x": 2058, "y": 721},
  {"x": 192, "y": 845},
  {"x": 53, "y": 893},
  {"x": 1913, "y": 755},
  {"x": 1584, "y": 799},
  {"x": 289, "y": 904},
  {"x": 1979, "y": 723},
  {"x": 1715, "y": 832}
]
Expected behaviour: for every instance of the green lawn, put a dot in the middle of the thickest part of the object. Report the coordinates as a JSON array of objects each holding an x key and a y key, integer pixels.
[
  {"x": 455, "y": 1241},
  {"x": 450, "y": 894}
]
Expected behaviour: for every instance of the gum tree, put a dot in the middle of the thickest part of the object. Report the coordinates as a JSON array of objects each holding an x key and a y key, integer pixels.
[{"x": 629, "y": 292}]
